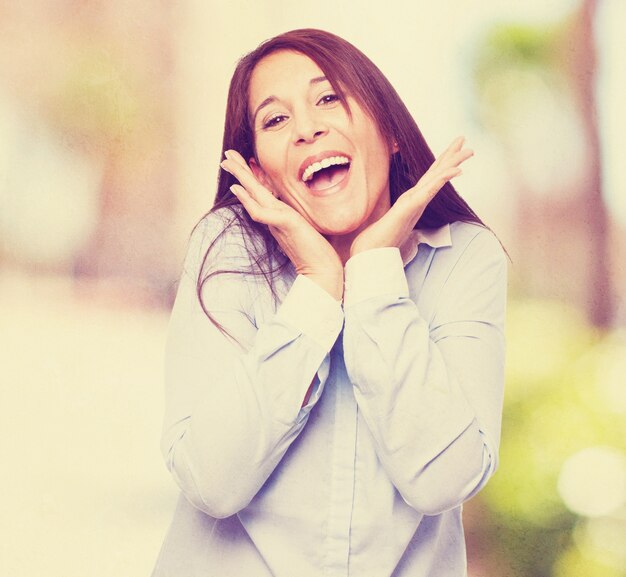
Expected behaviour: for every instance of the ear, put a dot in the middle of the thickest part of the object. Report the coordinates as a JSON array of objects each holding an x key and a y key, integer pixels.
[
  {"x": 259, "y": 173},
  {"x": 261, "y": 176}
]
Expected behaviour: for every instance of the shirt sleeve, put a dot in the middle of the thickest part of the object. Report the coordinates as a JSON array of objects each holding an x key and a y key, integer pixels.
[
  {"x": 430, "y": 392},
  {"x": 234, "y": 405}
]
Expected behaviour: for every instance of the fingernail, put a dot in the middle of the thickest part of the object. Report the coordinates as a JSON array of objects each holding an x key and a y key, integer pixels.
[
  {"x": 224, "y": 167},
  {"x": 233, "y": 190},
  {"x": 227, "y": 154}
]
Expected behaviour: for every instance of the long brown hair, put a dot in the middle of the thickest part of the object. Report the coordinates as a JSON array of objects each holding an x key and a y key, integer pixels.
[{"x": 349, "y": 71}]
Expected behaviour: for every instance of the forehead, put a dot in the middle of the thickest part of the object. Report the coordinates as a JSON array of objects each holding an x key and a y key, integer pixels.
[{"x": 280, "y": 72}]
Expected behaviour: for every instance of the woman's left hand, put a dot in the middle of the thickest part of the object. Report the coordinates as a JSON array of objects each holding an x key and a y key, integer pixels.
[{"x": 393, "y": 228}]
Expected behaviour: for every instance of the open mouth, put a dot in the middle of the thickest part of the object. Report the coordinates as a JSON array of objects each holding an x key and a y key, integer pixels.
[
  {"x": 326, "y": 173},
  {"x": 328, "y": 177}
]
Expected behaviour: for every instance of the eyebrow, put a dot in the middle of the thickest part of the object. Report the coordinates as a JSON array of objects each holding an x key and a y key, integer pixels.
[{"x": 270, "y": 99}]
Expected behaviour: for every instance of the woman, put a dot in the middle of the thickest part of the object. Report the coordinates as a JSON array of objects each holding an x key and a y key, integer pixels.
[{"x": 334, "y": 367}]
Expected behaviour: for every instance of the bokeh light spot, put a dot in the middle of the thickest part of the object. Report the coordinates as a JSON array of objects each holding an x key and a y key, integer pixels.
[{"x": 592, "y": 482}]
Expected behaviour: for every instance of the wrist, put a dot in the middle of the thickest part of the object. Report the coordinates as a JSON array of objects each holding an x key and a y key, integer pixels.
[
  {"x": 374, "y": 273},
  {"x": 332, "y": 283}
]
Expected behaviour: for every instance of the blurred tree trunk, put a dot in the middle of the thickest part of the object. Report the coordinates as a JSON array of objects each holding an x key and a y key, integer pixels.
[
  {"x": 600, "y": 306},
  {"x": 129, "y": 251},
  {"x": 562, "y": 249}
]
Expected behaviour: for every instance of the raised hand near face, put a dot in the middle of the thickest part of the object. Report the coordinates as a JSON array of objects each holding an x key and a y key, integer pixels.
[
  {"x": 393, "y": 228},
  {"x": 310, "y": 253}
]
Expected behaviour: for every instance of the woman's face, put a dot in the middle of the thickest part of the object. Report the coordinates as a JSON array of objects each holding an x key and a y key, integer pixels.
[{"x": 332, "y": 169}]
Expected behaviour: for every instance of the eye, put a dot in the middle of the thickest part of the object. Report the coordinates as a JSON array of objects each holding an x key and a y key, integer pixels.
[
  {"x": 328, "y": 98},
  {"x": 274, "y": 120}
]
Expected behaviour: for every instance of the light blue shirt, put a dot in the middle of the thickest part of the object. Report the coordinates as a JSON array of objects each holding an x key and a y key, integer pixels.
[{"x": 402, "y": 426}]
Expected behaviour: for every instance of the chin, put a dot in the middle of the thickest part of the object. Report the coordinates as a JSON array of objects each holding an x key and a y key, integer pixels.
[{"x": 339, "y": 226}]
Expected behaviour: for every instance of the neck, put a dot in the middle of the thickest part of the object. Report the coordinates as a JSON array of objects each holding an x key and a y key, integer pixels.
[{"x": 342, "y": 244}]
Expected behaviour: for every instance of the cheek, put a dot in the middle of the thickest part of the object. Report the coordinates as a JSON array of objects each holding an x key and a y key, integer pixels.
[
  {"x": 378, "y": 162},
  {"x": 273, "y": 177},
  {"x": 270, "y": 144},
  {"x": 273, "y": 162}
]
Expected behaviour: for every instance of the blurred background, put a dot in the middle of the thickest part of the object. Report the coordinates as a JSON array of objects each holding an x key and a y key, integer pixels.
[{"x": 110, "y": 128}]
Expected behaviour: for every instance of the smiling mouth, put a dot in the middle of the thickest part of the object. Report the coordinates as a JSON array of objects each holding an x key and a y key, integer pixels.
[{"x": 328, "y": 177}]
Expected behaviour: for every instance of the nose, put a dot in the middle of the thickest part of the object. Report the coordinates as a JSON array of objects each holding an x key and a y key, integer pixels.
[{"x": 308, "y": 127}]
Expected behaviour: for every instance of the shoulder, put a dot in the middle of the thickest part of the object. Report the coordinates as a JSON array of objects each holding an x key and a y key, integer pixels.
[
  {"x": 465, "y": 234},
  {"x": 223, "y": 223},
  {"x": 477, "y": 257},
  {"x": 474, "y": 242},
  {"x": 472, "y": 250},
  {"x": 222, "y": 237}
]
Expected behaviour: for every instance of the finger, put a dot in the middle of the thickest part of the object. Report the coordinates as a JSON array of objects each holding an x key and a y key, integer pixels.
[
  {"x": 236, "y": 157},
  {"x": 245, "y": 176},
  {"x": 430, "y": 184},
  {"x": 457, "y": 143},
  {"x": 257, "y": 212},
  {"x": 445, "y": 175},
  {"x": 238, "y": 162},
  {"x": 455, "y": 147},
  {"x": 271, "y": 215},
  {"x": 239, "y": 168},
  {"x": 451, "y": 159},
  {"x": 235, "y": 165},
  {"x": 460, "y": 156}
]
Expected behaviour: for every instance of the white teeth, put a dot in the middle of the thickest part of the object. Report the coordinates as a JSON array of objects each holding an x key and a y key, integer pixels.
[{"x": 325, "y": 163}]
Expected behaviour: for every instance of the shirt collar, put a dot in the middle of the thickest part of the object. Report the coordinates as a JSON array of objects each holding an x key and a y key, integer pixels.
[{"x": 434, "y": 237}]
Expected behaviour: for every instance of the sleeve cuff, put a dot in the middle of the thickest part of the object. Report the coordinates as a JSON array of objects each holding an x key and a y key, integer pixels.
[
  {"x": 374, "y": 273},
  {"x": 311, "y": 310}
]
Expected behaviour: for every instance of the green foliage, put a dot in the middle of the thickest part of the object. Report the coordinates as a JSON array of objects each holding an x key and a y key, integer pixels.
[
  {"x": 516, "y": 46},
  {"x": 560, "y": 399},
  {"x": 511, "y": 64},
  {"x": 575, "y": 563}
]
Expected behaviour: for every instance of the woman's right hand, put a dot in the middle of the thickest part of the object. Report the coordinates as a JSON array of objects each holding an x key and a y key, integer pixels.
[{"x": 311, "y": 254}]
